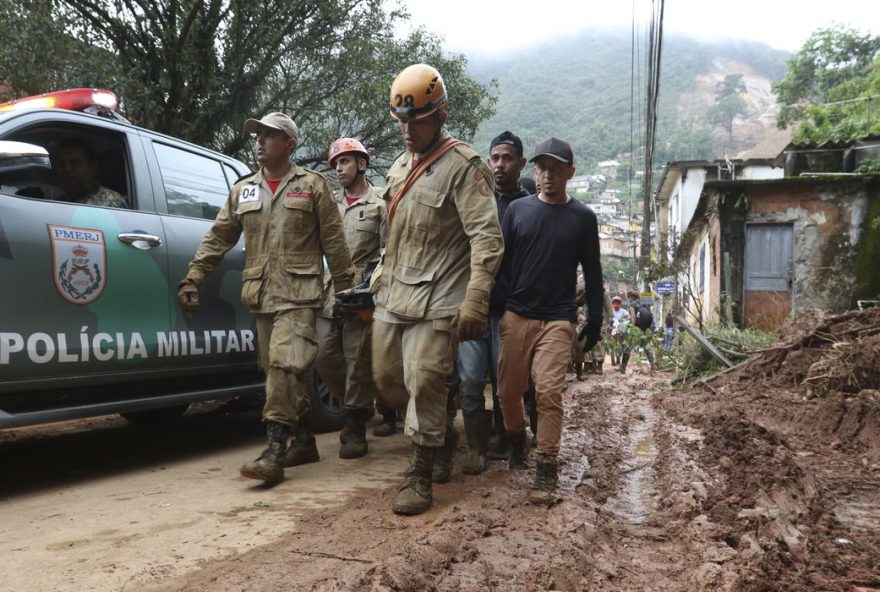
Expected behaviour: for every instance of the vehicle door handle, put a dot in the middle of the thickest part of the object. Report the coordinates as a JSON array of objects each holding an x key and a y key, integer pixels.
[{"x": 139, "y": 239}]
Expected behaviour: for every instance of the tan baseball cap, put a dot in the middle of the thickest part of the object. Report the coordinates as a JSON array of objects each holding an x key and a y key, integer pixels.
[{"x": 278, "y": 121}]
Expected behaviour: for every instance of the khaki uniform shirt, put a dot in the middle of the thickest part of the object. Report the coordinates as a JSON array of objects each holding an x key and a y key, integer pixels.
[
  {"x": 366, "y": 229},
  {"x": 285, "y": 236},
  {"x": 444, "y": 239}
]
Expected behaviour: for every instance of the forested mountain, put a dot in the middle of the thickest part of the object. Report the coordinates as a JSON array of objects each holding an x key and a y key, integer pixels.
[{"x": 581, "y": 89}]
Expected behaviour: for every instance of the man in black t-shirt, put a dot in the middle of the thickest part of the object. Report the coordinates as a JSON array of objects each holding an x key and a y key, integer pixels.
[{"x": 546, "y": 237}]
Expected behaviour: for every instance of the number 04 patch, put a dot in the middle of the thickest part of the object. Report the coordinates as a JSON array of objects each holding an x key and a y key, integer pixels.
[{"x": 249, "y": 193}]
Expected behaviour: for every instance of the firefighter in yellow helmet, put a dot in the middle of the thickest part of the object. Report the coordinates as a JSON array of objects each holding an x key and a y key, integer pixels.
[
  {"x": 444, "y": 247},
  {"x": 344, "y": 339}
]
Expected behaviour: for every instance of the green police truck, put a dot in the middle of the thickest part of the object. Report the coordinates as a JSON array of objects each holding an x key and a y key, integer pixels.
[{"x": 89, "y": 322}]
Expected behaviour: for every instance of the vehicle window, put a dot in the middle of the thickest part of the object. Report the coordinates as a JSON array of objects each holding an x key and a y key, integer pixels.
[
  {"x": 231, "y": 174},
  {"x": 82, "y": 165},
  {"x": 195, "y": 186}
]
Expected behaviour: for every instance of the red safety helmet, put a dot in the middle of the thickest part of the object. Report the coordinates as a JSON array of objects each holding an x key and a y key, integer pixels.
[{"x": 344, "y": 146}]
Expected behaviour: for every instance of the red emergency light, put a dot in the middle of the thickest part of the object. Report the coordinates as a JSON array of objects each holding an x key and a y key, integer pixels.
[{"x": 75, "y": 99}]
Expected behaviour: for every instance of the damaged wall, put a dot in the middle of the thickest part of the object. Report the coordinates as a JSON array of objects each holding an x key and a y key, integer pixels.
[{"x": 829, "y": 219}]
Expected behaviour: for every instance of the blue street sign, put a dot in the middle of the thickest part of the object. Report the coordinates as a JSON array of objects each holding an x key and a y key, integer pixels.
[{"x": 665, "y": 287}]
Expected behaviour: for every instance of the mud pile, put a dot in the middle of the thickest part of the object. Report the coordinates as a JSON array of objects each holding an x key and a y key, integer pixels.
[{"x": 792, "y": 444}]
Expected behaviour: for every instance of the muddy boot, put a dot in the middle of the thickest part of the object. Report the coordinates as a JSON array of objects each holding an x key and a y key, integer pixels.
[
  {"x": 519, "y": 449},
  {"x": 443, "y": 463},
  {"x": 623, "y": 362},
  {"x": 388, "y": 427},
  {"x": 269, "y": 467},
  {"x": 650, "y": 355},
  {"x": 353, "y": 437},
  {"x": 579, "y": 370},
  {"x": 415, "y": 495},
  {"x": 499, "y": 445},
  {"x": 543, "y": 490},
  {"x": 476, "y": 428},
  {"x": 302, "y": 448}
]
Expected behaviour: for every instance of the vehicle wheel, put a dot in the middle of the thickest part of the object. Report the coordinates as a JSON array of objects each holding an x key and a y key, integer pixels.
[
  {"x": 160, "y": 415},
  {"x": 327, "y": 413}
]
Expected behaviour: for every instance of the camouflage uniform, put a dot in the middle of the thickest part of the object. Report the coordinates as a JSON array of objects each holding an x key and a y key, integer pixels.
[
  {"x": 103, "y": 196},
  {"x": 285, "y": 235},
  {"x": 344, "y": 360},
  {"x": 444, "y": 239}
]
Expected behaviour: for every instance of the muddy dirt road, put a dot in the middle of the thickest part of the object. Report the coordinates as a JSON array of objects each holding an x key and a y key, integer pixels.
[
  {"x": 102, "y": 505},
  {"x": 744, "y": 483}
]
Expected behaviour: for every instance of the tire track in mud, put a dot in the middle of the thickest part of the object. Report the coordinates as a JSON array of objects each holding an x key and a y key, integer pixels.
[{"x": 646, "y": 483}]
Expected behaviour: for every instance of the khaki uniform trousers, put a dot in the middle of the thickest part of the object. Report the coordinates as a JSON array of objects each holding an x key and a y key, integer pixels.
[
  {"x": 544, "y": 347},
  {"x": 344, "y": 361},
  {"x": 411, "y": 362},
  {"x": 287, "y": 348}
]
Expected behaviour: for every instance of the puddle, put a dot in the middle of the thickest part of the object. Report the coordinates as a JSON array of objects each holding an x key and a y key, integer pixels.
[{"x": 636, "y": 499}]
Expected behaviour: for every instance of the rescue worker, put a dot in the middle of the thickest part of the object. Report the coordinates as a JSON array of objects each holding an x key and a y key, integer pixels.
[
  {"x": 289, "y": 221},
  {"x": 76, "y": 166},
  {"x": 444, "y": 247},
  {"x": 344, "y": 360}
]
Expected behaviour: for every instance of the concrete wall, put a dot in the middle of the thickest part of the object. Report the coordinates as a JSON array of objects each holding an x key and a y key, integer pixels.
[
  {"x": 759, "y": 172},
  {"x": 828, "y": 219},
  {"x": 707, "y": 244}
]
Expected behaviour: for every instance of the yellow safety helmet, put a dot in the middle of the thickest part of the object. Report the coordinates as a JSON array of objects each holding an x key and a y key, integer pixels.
[{"x": 417, "y": 92}]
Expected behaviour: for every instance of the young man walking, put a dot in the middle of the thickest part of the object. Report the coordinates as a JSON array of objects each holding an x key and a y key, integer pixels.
[
  {"x": 444, "y": 247},
  {"x": 290, "y": 223},
  {"x": 546, "y": 237},
  {"x": 478, "y": 358},
  {"x": 344, "y": 360}
]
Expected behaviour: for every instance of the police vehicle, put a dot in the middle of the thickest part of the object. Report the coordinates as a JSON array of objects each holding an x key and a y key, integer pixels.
[{"x": 89, "y": 321}]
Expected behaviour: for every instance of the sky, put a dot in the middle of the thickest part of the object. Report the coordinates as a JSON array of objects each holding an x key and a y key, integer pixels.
[{"x": 473, "y": 27}]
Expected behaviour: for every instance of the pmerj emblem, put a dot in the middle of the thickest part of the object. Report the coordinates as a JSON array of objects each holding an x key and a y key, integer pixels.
[{"x": 79, "y": 263}]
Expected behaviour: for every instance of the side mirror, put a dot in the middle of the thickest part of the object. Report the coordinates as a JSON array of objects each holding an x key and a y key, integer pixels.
[{"x": 23, "y": 157}]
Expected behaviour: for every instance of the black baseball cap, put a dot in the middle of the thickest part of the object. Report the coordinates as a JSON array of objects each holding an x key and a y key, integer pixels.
[
  {"x": 558, "y": 149},
  {"x": 509, "y": 138}
]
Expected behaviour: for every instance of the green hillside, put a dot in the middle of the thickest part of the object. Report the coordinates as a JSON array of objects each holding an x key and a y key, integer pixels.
[{"x": 579, "y": 89}]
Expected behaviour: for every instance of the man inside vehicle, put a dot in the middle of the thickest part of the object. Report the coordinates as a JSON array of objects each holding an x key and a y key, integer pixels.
[{"x": 76, "y": 166}]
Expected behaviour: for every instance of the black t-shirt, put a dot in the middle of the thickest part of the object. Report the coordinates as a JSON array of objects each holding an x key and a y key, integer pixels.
[
  {"x": 498, "y": 297},
  {"x": 543, "y": 245}
]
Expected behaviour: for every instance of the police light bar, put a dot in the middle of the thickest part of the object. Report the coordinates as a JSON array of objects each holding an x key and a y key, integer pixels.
[{"x": 75, "y": 99}]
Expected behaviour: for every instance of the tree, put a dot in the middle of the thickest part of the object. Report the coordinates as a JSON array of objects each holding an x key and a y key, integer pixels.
[
  {"x": 852, "y": 111},
  {"x": 42, "y": 50},
  {"x": 829, "y": 58},
  {"x": 729, "y": 103},
  {"x": 198, "y": 68}
]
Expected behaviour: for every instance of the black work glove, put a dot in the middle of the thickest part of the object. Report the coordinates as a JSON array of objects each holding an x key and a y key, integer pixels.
[{"x": 589, "y": 336}]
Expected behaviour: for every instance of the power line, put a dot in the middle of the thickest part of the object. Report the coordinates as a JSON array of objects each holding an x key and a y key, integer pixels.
[{"x": 655, "y": 50}]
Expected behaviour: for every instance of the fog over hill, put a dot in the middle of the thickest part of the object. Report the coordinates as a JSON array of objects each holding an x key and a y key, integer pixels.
[{"x": 581, "y": 89}]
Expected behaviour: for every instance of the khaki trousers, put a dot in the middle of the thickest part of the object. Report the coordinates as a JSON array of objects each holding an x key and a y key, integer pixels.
[
  {"x": 344, "y": 361},
  {"x": 544, "y": 347},
  {"x": 411, "y": 362},
  {"x": 287, "y": 349}
]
